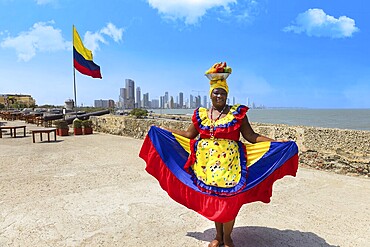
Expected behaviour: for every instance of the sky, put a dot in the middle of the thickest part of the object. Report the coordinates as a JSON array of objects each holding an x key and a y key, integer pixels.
[{"x": 308, "y": 53}]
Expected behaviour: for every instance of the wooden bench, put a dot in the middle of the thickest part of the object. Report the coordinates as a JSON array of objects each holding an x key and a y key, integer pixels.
[
  {"x": 12, "y": 128},
  {"x": 47, "y": 131}
]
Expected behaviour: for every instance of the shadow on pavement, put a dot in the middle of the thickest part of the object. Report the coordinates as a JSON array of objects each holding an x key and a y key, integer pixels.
[{"x": 257, "y": 236}]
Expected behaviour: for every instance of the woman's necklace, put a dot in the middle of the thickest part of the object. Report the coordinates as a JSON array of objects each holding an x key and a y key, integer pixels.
[{"x": 213, "y": 121}]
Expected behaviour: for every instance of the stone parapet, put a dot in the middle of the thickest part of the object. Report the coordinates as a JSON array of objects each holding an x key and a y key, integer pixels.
[{"x": 338, "y": 150}]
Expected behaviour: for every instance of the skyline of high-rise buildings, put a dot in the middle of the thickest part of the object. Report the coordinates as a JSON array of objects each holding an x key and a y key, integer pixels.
[
  {"x": 128, "y": 100},
  {"x": 131, "y": 97}
]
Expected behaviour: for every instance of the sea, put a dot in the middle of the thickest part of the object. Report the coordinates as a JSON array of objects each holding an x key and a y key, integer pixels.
[{"x": 355, "y": 119}]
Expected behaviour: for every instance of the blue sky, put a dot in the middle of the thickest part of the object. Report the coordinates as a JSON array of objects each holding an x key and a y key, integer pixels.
[{"x": 313, "y": 54}]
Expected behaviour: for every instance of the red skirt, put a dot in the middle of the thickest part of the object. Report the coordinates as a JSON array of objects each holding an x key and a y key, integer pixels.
[{"x": 166, "y": 155}]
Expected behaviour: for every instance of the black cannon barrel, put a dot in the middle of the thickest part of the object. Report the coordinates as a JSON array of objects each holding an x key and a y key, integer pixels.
[
  {"x": 87, "y": 115},
  {"x": 52, "y": 117}
]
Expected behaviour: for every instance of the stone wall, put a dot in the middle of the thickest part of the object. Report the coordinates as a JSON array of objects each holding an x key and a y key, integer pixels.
[{"x": 341, "y": 151}]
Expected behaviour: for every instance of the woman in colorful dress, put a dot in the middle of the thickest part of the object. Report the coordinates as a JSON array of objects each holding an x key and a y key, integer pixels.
[{"x": 217, "y": 163}]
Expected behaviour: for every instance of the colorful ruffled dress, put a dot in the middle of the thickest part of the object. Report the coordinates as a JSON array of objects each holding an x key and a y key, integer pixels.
[{"x": 216, "y": 174}]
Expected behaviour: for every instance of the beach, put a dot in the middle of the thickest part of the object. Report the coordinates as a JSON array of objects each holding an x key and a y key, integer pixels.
[{"x": 93, "y": 190}]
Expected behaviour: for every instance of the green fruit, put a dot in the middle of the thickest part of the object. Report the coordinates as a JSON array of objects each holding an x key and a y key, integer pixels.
[{"x": 227, "y": 70}]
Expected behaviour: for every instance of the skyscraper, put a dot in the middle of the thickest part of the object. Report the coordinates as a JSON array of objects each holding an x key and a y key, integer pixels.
[
  {"x": 130, "y": 94},
  {"x": 146, "y": 100},
  {"x": 166, "y": 98},
  {"x": 122, "y": 98},
  {"x": 138, "y": 97},
  {"x": 198, "y": 101},
  {"x": 161, "y": 102},
  {"x": 181, "y": 100}
]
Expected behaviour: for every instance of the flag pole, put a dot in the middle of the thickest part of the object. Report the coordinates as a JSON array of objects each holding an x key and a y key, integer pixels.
[
  {"x": 74, "y": 72},
  {"x": 74, "y": 89}
]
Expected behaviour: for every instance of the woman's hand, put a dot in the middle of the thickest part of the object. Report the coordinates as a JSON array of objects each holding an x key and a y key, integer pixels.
[{"x": 282, "y": 140}]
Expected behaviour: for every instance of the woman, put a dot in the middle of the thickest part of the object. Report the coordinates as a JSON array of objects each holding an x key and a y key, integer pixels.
[{"x": 219, "y": 179}]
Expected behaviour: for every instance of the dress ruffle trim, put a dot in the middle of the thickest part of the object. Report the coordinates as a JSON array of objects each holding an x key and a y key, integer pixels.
[{"x": 230, "y": 122}]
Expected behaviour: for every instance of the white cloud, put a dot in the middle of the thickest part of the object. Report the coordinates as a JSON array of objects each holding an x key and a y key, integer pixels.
[
  {"x": 246, "y": 10},
  {"x": 42, "y": 37},
  {"x": 92, "y": 40},
  {"x": 113, "y": 32},
  {"x": 315, "y": 22},
  {"x": 191, "y": 11}
]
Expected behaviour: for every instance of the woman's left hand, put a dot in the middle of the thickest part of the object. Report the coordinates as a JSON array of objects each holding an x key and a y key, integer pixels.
[{"x": 283, "y": 140}]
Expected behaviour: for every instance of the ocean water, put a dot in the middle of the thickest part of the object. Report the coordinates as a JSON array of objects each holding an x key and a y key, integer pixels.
[{"x": 356, "y": 119}]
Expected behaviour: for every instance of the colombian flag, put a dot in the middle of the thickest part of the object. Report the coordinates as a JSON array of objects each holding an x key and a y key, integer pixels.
[
  {"x": 166, "y": 153},
  {"x": 83, "y": 58}
]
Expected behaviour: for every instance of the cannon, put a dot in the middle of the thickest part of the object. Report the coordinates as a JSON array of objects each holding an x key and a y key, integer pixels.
[
  {"x": 52, "y": 117},
  {"x": 85, "y": 116}
]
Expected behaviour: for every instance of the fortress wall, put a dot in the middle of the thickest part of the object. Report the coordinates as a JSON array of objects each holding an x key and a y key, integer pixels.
[{"x": 337, "y": 150}]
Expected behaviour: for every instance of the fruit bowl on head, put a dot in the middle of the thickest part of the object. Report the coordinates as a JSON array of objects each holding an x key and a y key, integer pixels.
[{"x": 217, "y": 76}]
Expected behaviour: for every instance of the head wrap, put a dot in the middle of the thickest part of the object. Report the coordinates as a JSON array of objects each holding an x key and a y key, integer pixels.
[{"x": 218, "y": 84}]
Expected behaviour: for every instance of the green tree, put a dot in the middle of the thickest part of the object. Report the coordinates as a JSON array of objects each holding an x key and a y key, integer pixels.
[{"x": 139, "y": 113}]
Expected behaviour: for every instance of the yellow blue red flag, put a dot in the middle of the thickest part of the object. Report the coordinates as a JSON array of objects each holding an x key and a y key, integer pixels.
[{"x": 83, "y": 58}]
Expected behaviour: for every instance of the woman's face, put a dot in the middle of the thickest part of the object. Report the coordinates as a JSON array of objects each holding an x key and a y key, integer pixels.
[{"x": 218, "y": 97}]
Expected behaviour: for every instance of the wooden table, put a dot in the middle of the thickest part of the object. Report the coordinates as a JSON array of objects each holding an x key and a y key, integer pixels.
[
  {"x": 13, "y": 128},
  {"x": 47, "y": 131}
]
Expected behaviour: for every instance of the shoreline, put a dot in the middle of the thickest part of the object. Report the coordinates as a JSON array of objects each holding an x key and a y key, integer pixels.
[
  {"x": 186, "y": 117},
  {"x": 352, "y": 119}
]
